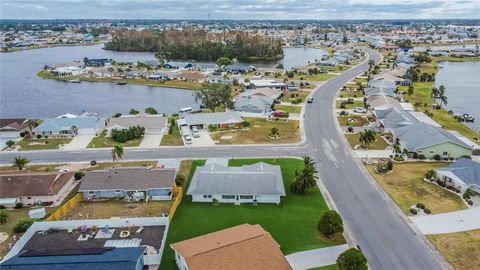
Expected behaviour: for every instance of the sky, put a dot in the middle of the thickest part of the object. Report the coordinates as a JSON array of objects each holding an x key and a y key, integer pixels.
[{"x": 240, "y": 9}]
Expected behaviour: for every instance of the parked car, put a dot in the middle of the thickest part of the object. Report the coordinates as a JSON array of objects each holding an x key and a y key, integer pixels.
[
  {"x": 310, "y": 100},
  {"x": 195, "y": 132},
  {"x": 278, "y": 114},
  {"x": 360, "y": 110},
  {"x": 188, "y": 139}
]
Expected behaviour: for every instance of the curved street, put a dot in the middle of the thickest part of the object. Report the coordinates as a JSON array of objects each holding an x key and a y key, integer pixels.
[{"x": 373, "y": 220}]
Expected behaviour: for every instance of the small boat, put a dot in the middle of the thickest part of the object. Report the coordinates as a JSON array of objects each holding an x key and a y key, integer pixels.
[
  {"x": 468, "y": 117},
  {"x": 121, "y": 83},
  {"x": 74, "y": 81}
]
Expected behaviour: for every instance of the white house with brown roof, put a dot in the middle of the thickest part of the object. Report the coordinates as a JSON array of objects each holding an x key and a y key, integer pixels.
[{"x": 243, "y": 247}]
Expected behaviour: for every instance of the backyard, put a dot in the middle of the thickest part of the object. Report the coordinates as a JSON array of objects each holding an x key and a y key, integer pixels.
[
  {"x": 258, "y": 132},
  {"x": 42, "y": 144},
  {"x": 293, "y": 223},
  {"x": 103, "y": 141},
  {"x": 378, "y": 144},
  {"x": 173, "y": 138},
  {"x": 461, "y": 249},
  {"x": 406, "y": 187}
]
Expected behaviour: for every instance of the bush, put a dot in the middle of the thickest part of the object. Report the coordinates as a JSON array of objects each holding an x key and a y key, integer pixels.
[
  {"x": 4, "y": 216},
  {"x": 79, "y": 175},
  {"x": 151, "y": 110},
  {"x": 413, "y": 211},
  {"x": 427, "y": 211},
  {"x": 470, "y": 202},
  {"x": 350, "y": 129},
  {"x": 133, "y": 111},
  {"x": 39, "y": 136},
  {"x": 93, "y": 163},
  {"x": 437, "y": 157},
  {"x": 180, "y": 180},
  {"x": 390, "y": 165},
  {"x": 330, "y": 223},
  {"x": 352, "y": 259},
  {"x": 18, "y": 205},
  {"x": 131, "y": 133},
  {"x": 421, "y": 156},
  {"x": 468, "y": 194},
  {"x": 22, "y": 225},
  {"x": 430, "y": 174},
  {"x": 10, "y": 143},
  {"x": 420, "y": 206},
  {"x": 466, "y": 156}
]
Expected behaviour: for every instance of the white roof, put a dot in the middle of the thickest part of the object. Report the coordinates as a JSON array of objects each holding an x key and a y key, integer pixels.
[
  {"x": 407, "y": 106},
  {"x": 420, "y": 116}
]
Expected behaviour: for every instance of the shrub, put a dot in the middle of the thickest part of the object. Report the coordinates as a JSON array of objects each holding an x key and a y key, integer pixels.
[
  {"x": 245, "y": 124},
  {"x": 413, "y": 211},
  {"x": 330, "y": 223},
  {"x": 466, "y": 156},
  {"x": 10, "y": 143},
  {"x": 437, "y": 157},
  {"x": 131, "y": 133},
  {"x": 4, "y": 216},
  {"x": 79, "y": 175},
  {"x": 468, "y": 194},
  {"x": 133, "y": 111},
  {"x": 420, "y": 206},
  {"x": 390, "y": 165},
  {"x": 39, "y": 136},
  {"x": 427, "y": 211},
  {"x": 18, "y": 205},
  {"x": 93, "y": 163},
  {"x": 421, "y": 156},
  {"x": 180, "y": 180},
  {"x": 151, "y": 110},
  {"x": 22, "y": 225},
  {"x": 430, "y": 174},
  {"x": 352, "y": 259},
  {"x": 470, "y": 202},
  {"x": 350, "y": 129}
]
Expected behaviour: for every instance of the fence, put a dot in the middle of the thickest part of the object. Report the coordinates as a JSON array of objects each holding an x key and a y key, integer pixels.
[
  {"x": 178, "y": 198},
  {"x": 57, "y": 215}
]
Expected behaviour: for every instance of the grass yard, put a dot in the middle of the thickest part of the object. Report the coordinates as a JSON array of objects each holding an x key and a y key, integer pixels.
[
  {"x": 360, "y": 121},
  {"x": 117, "y": 208},
  {"x": 406, "y": 187},
  {"x": 290, "y": 96},
  {"x": 316, "y": 78},
  {"x": 33, "y": 168},
  {"x": 289, "y": 109},
  {"x": 293, "y": 223},
  {"x": 378, "y": 144},
  {"x": 258, "y": 132},
  {"x": 109, "y": 165},
  {"x": 326, "y": 267},
  {"x": 350, "y": 94},
  {"x": 175, "y": 138},
  {"x": 103, "y": 141},
  {"x": 461, "y": 249},
  {"x": 355, "y": 103},
  {"x": 42, "y": 144}
]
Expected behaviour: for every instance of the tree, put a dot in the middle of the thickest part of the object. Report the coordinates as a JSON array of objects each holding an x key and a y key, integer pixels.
[
  {"x": 117, "y": 153},
  {"x": 9, "y": 143},
  {"x": 306, "y": 179},
  {"x": 330, "y": 223},
  {"x": 371, "y": 63},
  {"x": 223, "y": 61},
  {"x": 4, "y": 216},
  {"x": 85, "y": 60},
  {"x": 367, "y": 137},
  {"x": 161, "y": 58},
  {"x": 20, "y": 162},
  {"x": 280, "y": 66},
  {"x": 410, "y": 90},
  {"x": 352, "y": 259},
  {"x": 215, "y": 95},
  {"x": 151, "y": 110},
  {"x": 443, "y": 100},
  {"x": 390, "y": 165},
  {"x": 133, "y": 111},
  {"x": 22, "y": 225}
]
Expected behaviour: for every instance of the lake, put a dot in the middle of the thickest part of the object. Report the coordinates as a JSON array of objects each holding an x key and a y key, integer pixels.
[
  {"x": 23, "y": 94},
  {"x": 462, "y": 83}
]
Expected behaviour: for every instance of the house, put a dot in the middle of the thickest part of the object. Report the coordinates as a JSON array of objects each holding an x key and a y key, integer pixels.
[
  {"x": 253, "y": 104},
  {"x": 88, "y": 244},
  {"x": 380, "y": 91},
  {"x": 238, "y": 69},
  {"x": 161, "y": 76},
  {"x": 382, "y": 101},
  {"x": 261, "y": 71},
  {"x": 68, "y": 71},
  {"x": 192, "y": 77},
  {"x": 462, "y": 174},
  {"x": 429, "y": 141},
  {"x": 13, "y": 128},
  {"x": 70, "y": 126},
  {"x": 216, "y": 119},
  {"x": 133, "y": 183},
  {"x": 257, "y": 183},
  {"x": 178, "y": 65},
  {"x": 153, "y": 124},
  {"x": 328, "y": 62},
  {"x": 243, "y": 247},
  {"x": 98, "y": 62},
  {"x": 391, "y": 118},
  {"x": 383, "y": 83},
  {"x": 265, "y": 93},
  {"x": 259, "y": 83},
  {"x": 35, "y": 188}
]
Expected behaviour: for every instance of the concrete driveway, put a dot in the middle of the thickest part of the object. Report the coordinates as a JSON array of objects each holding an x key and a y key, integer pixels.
[
  {"x": 151, "y": 140},
  {"x": 79, "y": 142},
  {"x": 315, "y": 258},
  {"x": 203, "y": 140},
  {"x": 458, "y": 221}
]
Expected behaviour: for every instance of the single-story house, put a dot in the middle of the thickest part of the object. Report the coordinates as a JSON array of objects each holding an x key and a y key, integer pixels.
[
  {"x": 253, "y": 104},
  {"x": 379, "y": 91},
  {"x": 68, "y": 71},
  {"x": 424, "y": 139},
  {"x": 328, "y": 62},
  {"x": 241, "y": 247},
  {"x": 266, "y": 93},
  {"x": 13, "y": 128},
  {"x": 265, "y": 84},
  {"x": 382, "y": 101},
  {"x": 462, "y": 174},
  {"x": 217, "y": 119},
  {"x": 65, "y": 126},
  {"x": 134, "y": 183},
  {"x": 383, "y": 83},
  {"x": 153, "y": 124},
  {"x": 391, "y": 118},
  {"x": 238, "y": 68},
  {"x": 270, "y": 71},
  {"x": 160, "y": 76},
  {"x": 35, "y": 188},
  {"x": 257, "y": 183},
  {"x": 192, "y": 77},
  {"x": 99, "y": 62},
  {"x": 178, "y": 65}
]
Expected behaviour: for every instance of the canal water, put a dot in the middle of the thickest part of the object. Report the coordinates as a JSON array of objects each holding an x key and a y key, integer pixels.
[
  {"x": 462, "y": 83},
  {"x": 23, "y": 94}
]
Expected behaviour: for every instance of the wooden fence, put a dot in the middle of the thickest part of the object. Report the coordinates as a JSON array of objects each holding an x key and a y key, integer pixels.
[
  {"x": 57, "y": 215},
  {"x": 178, "y": 192}
]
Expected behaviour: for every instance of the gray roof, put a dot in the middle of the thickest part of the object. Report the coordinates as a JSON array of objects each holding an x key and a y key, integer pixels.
[
  {"x": 383, "y": 83},
  {"x": 465, "y": 169},
  {"x": 421, "y": 135},
  {"x": 128, "y": 179},
  {"x": 254, "y": 101},
  {"x": 393, "y": 118},
  {"x": 377, "y": 91},
  {"x": 257, "y": 179},
  {"x": 148, "y": 121},
  {"x": 215, "y": 118},
  {"x": 58, "y": 124}
]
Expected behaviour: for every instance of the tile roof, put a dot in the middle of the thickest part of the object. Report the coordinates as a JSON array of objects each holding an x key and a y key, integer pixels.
[{"x": 15, "y": 185}]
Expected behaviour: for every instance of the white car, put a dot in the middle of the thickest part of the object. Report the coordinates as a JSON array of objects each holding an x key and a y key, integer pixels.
[
  {"x": 188, "y": 139},
  {"x": 359, "y": 110},
  {"x": 195, "y": 132}
]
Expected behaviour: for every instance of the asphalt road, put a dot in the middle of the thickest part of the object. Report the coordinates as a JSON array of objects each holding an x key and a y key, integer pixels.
[{"x": 375, "y": 223}]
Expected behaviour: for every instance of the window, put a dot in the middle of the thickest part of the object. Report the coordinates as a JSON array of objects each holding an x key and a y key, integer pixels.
[
  {"x": 118, "y": 191},
  {"x": 431, "y": 152},
  {"x": 445, "y": 153},
  {"x": 207, "y": 196},
  {"x": 29, "y": 198},
  {"x": 91, "y": 193},
  {"x": 228, "y": 197},
  {"x": 246, "y": 197}
]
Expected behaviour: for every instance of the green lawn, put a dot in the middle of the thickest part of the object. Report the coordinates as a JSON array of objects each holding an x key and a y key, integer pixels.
[
  {"x": 34, "y": 168},
  {"x": 326, "y": 267},
  {"x": 289, "y": 109},
  {"x": 318, "y": 78},
  {"x": 350, "y": 106},
  {"x": 103, "y": 141},
  {"x": 379, "y": 144},
  {"x": 290, "y": 96},
  {"x": 174, "y": 138},
  {"x": 42, "y": 144},
  {"x": 350, "y": 94},
  {"x": 293, "y": 223},
  {"x": 360, "y": 120}
]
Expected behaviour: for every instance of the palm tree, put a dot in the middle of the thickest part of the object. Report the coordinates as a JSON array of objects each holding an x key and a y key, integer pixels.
[
  {"x": 117, "y": 153},
  {"x": 20, "y": 162},
  {"x": 306, "y": 179},
  {"x": 444, "y": 100},
  {"x": 367, "y": 137}
]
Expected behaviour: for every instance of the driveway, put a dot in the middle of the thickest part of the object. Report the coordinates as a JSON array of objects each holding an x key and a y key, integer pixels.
[
  {"x": 315, "y": 258},
  {"x": 458, "y": 221},
  {"x": 79, "y": 142},
  {"x": 151, "y": 140},
  {"x": 203, "y": 140},
  {"x": 373, "y": 153}
]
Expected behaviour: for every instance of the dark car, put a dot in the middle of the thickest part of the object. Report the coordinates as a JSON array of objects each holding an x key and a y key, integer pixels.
[{"x": 310, "y": 100}]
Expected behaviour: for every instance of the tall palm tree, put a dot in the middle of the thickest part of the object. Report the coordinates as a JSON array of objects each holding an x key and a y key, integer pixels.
[
  {"x": 444, "y": 100},
  {"x": 20, "y": 162},
  {"x": 306, "y": 179},
  {"x": 117, "y": 153},
  {"x": 367, "y": 137}
]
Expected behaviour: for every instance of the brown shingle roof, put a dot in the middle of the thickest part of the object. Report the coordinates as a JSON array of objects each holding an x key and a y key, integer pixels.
[
  {"x": 32, "y": 184},
  {"x": 241, "y": 247}
]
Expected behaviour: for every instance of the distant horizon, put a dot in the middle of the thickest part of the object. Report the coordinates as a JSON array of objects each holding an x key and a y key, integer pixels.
[{"x": 245, "y": 20}]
